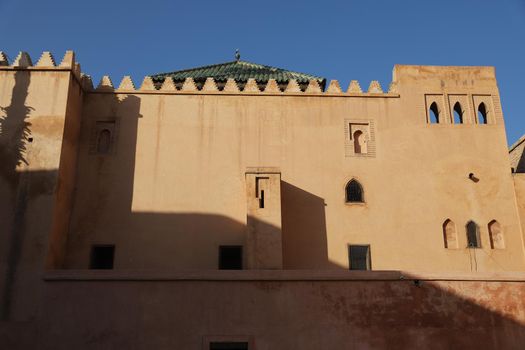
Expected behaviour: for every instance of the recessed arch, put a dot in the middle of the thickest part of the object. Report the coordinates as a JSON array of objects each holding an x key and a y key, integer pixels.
[
  {"x": 359, "y": 142},
  {"x": 482, "y": 113},
  {"x": 473, "y": 238},
  {"x": 433, "y": 113},
  {"x": 354, "y": 192},
  {"x": 458, "y": 113},
  {"x": 449, "y": 234},
  {"x": 103, "y": 141},
  {"x": 497, "y": 240}
]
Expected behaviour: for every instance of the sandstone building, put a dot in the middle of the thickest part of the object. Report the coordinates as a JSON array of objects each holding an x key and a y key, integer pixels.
[{"x": 240, "y": 206}]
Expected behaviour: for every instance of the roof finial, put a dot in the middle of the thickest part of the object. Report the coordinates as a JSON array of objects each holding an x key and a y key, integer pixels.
[{"x": 237, "y": 55}]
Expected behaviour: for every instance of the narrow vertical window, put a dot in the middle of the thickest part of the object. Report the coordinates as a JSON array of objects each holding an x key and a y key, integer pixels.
[
  {"x": 354, "y": 192},
  {"x": 359, "y": 257},
  {"x": 482, "y": 114},
  {"x": 359, "y": 142},
  {"x": 496, "y": 235},
  {"x": 473, "y": 239},
  {"x": 433, "y": 113},
  {"x": 449, "y": 234},
  {"x": 458, "y": 114},
  {"x": 261, "y": 200},
  {"x": 261, "y": 183},
  {"x": 102, "y": 257},
  {"x": 103, "y": 141},
  {"x": 230, "y": 258}
]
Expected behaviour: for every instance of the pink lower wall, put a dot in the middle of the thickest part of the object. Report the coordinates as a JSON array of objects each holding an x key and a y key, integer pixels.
[{"x": 279, "y": 310}]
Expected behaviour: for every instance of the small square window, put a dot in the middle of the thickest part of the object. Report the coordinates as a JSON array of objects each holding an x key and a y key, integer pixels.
[
  {"x": 230, "y": 258},
  {"x": 359, "y": 257},
  {"x": 102, "y": 257},
  {"x": 229, "y": 346}
]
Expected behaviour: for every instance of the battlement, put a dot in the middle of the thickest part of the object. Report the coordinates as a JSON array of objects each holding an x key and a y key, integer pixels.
[
  {"x": 433, "y": 77},
  {"x": 188, "y": 86}
]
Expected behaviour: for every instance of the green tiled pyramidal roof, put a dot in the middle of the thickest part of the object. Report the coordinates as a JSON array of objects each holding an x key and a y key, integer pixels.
[{"x": 240, "y": 71}]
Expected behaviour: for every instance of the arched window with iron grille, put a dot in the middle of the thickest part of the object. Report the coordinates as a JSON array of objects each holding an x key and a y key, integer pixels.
[{"x": 354, "y": 192}]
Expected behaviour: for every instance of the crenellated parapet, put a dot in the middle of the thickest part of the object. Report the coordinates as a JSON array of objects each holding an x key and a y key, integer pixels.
[
  {"x": 46, "y": 61},
  {"x": 251, "y": 87}
]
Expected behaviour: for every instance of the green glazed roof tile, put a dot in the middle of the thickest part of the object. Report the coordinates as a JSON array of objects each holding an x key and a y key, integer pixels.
[{"x": 240, "y": 71}]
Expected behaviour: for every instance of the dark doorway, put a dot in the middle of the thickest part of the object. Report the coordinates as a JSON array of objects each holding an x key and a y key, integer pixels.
[{"x": 229, "y": 346}]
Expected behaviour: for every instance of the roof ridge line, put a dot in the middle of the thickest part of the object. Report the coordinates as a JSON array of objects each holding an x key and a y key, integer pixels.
[
  {"x": 284, "y": 70},
  {"x": 195, "y": 68}
]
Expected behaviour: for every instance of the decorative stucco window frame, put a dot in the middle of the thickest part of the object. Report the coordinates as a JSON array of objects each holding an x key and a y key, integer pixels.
[
  {"x": 469, "y": 104},
  {"x": 489, "y": 107},
  {"x": 367, "y": 127},
  {"x": 466, "y": 110},
  {"x": 96, "y": 126},
  {"x": 438, "y": 99}
]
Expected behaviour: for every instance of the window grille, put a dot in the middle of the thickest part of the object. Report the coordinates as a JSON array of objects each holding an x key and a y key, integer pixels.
[
  {"x": 359, "y": 257},
  {"x": 354, "y": 192},
  {"x": 473, "y": 239}
]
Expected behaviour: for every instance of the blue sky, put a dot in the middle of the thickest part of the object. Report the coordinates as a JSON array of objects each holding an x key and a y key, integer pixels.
[{"x": 341, "y": 40}]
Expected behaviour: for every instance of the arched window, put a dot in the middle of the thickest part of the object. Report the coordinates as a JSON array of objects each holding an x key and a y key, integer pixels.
[
  {"x": 482, "y": 114},
  {"x": 103, "y": 141},
  {"x": 433, "y": 113},
  {"x": 458, "y": 114},
  {"x": 473, "y": 240},
  {"x": 354, "y": 192},
  {"x": 449, "y": 234},
  {"x": 359, "y": 142},
  {"x": 496, "y": 235}
]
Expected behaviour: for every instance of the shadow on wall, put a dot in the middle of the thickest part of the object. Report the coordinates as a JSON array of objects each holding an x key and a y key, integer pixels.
[
  {"x": 520, "y": 167},
  {"x": 319, "y": 313},
  {"x": 14, "y": 136},
  {"x": 18, "y": 187},
  {"x": 304, "y": 229},
  {"x": 14, "y": 128},
  {"x": 383, "y": 312},
  {"x": 103, "y": 210}
]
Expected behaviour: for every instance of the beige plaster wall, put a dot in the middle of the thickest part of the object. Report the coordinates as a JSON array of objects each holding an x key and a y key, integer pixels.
[
  {"x": 264, "y": 239},
  {"x": 275, "y": 310},
  {"x": 33, "y": 116},
  {"x": 173, "y": 189},
  {"x": 66, "y": 181},
  {"x": 519, "y": 185}
]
